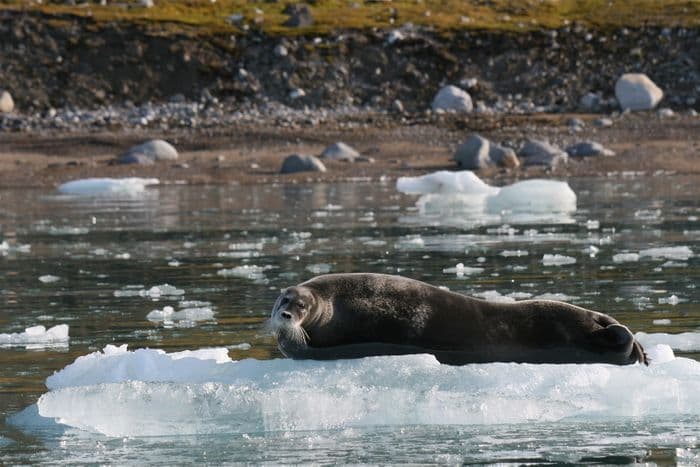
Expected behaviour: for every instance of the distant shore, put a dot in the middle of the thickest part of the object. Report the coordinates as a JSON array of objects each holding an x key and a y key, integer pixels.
[{"x": 643, "y": 142}]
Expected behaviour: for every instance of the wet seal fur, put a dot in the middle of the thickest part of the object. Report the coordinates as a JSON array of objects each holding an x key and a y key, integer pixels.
[{"x": 336, "y": 316}]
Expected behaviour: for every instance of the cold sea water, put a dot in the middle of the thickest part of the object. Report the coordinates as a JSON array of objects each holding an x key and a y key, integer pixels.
[{"x": 153, "y": 300}]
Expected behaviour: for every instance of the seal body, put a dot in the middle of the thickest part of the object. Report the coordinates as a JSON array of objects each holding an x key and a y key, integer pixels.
[{"x": 358, "y": 315}]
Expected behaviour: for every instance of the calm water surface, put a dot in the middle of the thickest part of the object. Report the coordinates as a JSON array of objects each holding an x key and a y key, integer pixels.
[{"x": 231, "y": 249}]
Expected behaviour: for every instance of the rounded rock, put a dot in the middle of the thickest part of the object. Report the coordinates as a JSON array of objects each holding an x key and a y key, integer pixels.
[
  {"x": 7, "y": 104},
  {"x": 340, "y": 152},
  {"x": 473, "y": 154},
  {"x": 148, "y": 153},
  {"x": 301, "y": 163},
  {"x": 503, "y": 156},
  {"x": 536, "y": 152},
  {"x": 588, "y": 149},
  {"x": 635, "y": 91},
  {"x": 453, "y": 98}
]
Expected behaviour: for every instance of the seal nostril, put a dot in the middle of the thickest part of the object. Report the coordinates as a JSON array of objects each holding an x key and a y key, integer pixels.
[{"x": 286, "y": 315}]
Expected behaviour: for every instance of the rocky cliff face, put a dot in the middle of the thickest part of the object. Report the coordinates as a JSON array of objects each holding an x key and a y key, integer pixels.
[{"x": 52, "y": 62}]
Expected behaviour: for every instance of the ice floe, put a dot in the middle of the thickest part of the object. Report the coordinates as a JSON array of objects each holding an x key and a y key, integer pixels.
[
  {"x": 453, "y": 193},
  {"x": 461, "y": 270},
  {"x": 681, "y": 253},
  {"x": 145, "y": 392},
  {"x": 557, "y": 260},
  {"x": 685, "y": 341},
  {"x": 107, "y": 186},
  {"x": 155, "y": 292},
  {"x": 183, "y": 316},
  {"x": 37, "y": 337}
]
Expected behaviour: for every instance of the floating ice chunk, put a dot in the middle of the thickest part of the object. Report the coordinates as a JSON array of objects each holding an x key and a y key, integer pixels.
[
  {"x": 149, "y": 393},
  {"x": 494, "y": 296},
  {"x": 444, "y": 182},
  {"x": 247, "y": 271},
  {"x": 562, "y": 297},
  {"x": 37, "y": 337},
  {"x": 243, "y": 346},
  {"x": 48, "y": 278},
  {"x": 117, "y": 363},
  {"x": 461, "y": 270},
  {"x": 161, "y": 290},
  {"x": 534, "y": 196},
  {"x": 511, "y": 253},
  {"x": 662, "y": 322},
  {"x": 168, "y": 314},
  {"x": 684, "y": 342},
  {"x": 557, "y": 260},
  {"x": 625, "y": 257},
  {"x": 320, "y": 268},
  {"x": 672, "y": 300},
  {"x": 681, "y": 253},
  {"x": 107, "y": 186}
]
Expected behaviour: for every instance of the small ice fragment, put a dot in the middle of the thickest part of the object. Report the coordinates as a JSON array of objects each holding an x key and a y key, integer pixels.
[
  {"x": 672, "y": 300},
  {"x": 445, "y": 182},
  {"x": 37, "y": 336},
  {"x": 557, "y": 260},
  {"x": 494, "y": 296},
  {"x": 662, "y": 322},
  {"x": 625, "y": 257},
  {"x": 48, "y": 278},
  {"x": 243, "y": 346},
  {"x": 558, "y": 296},
  {"x": 516, "y": 253},
  {"x": 681, "y": 253},
  {"x": 107, "y": 186},
  {"x": 321, "y": 268},
  {"x": 534, "y": 196},
  {"x": 591, "y": 250},
  {"x": 247, "y": 271},
  {"x": 460, "y": 269},
  {"x": 592, "y": 224}
]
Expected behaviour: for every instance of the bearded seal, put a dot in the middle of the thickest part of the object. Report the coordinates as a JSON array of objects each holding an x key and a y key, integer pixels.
[{"x": 356, "y": 315}]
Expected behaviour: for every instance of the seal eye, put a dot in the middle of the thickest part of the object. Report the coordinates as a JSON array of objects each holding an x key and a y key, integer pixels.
[{"x": 301, "y": 305}]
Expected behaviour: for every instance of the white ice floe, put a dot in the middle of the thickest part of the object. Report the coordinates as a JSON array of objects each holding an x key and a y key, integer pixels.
[
  {"x": 625, "y": 257},
  {"x": 168, "y": 314},
  {"x": 107, "y": 186},
  {"x": 48, "y": 278},
  {"x": 150, "y": 393},
  {"x": 453, "y": 193},
  {"x": 247, "y": 271},
  {"x": 680, "y": 253},
  {"x": 557, "y": 260},
  {"x": 37, "y": 337},
  {"x": 672, "y": 300},
  {"x": 684, "y": 342},
  {"x": 157, "y": 291},
  {"x": 462, "y": 270}
]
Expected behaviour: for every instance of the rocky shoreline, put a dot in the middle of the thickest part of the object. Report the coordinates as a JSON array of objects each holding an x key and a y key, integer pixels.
[
  {"x": 235, "y": 106},
  {"x": 67, "y": 66}
]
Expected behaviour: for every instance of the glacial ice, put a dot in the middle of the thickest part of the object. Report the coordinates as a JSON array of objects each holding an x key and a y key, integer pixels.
[
  {"x": 168, "y": 314},
  {"x": 37, "y": 337},
  {"x": 684, "y": 342},
  {"x": 557, "y": 260},
  {"x": 146, "y": 392},
  {"x": 107, "y": 186},
  {"x": 681, "y": 253},
  {"x": 465, "y": 193}
]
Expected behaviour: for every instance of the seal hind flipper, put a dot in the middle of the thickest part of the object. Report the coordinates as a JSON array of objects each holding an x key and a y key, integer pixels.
[{"x": 619, "y": 340}]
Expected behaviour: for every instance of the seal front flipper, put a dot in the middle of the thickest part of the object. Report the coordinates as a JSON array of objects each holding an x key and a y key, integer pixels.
[{"x": 619, "y": 341}]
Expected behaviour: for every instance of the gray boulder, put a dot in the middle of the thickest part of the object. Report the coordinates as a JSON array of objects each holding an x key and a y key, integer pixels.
[
  {"x": 299, "y": 16},
  {"x": 635, "y": 91},
  {"x": 340, "y": 152},
  {"x": 588, "y": 149},
  {"x": 7, "y": 105},
  {"x": 536, "y": 152},
  {"x": 301, "y": 163},
  {"x": 454, "y": 99},
  {"x": 148, "y": 153},
  {"x": 590, "y": 102},
  {"x": 503, "y": 156},
  {"x": 473, "y": 154}
]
